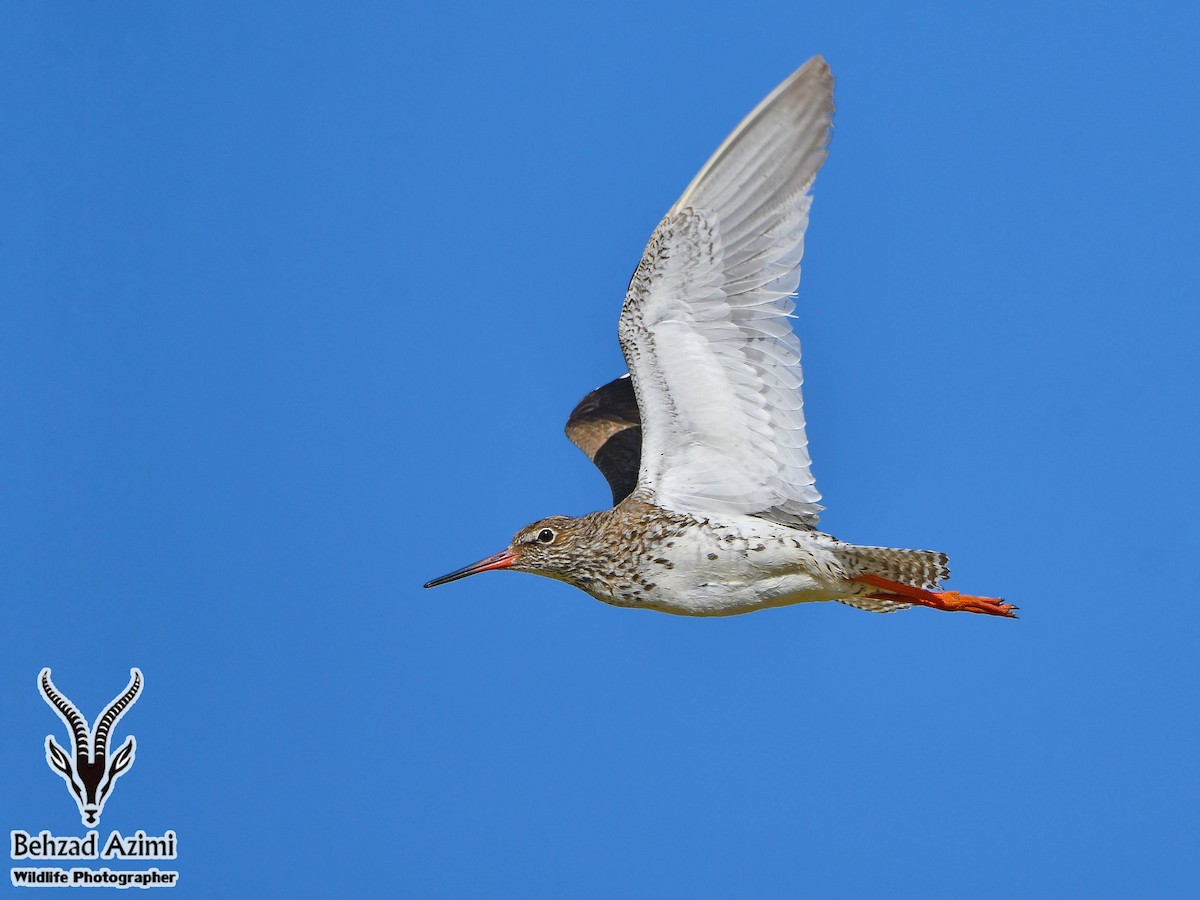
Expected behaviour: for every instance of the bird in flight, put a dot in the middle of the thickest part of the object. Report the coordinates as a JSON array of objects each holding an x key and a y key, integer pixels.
[{"x": 703, "y": 443}]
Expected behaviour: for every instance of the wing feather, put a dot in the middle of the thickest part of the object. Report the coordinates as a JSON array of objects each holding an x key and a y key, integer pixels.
[
  {"x": 706, "y": 326},
  {"x": 606, "y": 426}
]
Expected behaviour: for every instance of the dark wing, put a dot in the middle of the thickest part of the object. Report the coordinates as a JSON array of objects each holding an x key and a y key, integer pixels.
[{"x": 607, "y": 426}]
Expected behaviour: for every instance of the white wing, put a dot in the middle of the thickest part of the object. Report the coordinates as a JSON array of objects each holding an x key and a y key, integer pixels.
[{"x": 705, "y": 327}]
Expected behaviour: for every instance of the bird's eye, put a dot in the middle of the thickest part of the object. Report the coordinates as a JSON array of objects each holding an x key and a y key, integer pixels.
[{"x": 546, "y": 536}]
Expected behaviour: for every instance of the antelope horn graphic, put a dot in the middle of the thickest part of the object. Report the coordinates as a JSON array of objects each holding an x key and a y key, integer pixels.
[
  {"x": 114, "y": 711},
  {"x": 67, "y": 712}
]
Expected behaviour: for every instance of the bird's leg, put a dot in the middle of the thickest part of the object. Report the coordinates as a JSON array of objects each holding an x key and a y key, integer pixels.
[{"x": 950, "y": 601}]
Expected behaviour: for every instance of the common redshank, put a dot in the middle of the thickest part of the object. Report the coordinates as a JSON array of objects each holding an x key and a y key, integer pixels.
[{"x": 703, "y": 442}]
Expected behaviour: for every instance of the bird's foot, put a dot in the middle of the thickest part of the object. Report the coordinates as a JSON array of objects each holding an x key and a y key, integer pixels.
[
  {"x": 948, "y": 601},
  {"x": 953, "y": 601}
]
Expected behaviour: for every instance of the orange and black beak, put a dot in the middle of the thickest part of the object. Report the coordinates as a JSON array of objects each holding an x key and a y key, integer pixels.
[{"x": 499, "y": 561}]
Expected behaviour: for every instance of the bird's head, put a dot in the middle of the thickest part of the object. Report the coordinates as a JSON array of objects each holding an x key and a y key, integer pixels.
[{"x": 543, "y": 548}]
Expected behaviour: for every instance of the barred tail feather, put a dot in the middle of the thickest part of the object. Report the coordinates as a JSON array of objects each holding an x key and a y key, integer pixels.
[
  {"x": 919, "y": 568},
  {"x": 870, "y": 604}
]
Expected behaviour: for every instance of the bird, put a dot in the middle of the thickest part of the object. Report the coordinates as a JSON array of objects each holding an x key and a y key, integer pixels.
[{"x": 703, "y": 442}]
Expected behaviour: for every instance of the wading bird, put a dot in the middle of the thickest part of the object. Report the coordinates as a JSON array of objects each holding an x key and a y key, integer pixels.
[{"x": 703, "y": 442}]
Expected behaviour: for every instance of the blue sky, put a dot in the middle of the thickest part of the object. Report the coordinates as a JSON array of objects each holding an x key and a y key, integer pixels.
[{"x": 294, "y": 300}]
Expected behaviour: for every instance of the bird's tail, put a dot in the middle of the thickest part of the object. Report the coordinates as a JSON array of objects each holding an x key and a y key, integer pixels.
[{"x": 918, "y": 568}]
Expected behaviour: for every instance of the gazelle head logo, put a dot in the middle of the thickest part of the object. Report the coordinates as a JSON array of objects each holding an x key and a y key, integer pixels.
[{"x": 89, "y": 770}]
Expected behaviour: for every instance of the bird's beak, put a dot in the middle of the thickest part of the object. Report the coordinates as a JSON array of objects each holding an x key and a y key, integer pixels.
[{"x": 499, "y": 561}]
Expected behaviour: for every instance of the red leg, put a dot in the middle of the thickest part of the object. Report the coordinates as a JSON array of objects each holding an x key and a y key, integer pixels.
[{"x": 950, "y": 601}]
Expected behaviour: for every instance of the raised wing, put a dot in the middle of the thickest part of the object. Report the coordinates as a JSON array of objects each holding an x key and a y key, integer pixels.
[
  {"x": 607, "y": 427},
  {"x": 705, "y": 327}
]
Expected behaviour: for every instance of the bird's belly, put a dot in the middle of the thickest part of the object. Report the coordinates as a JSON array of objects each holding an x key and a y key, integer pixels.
[
  {"x": 729, "y": 598},
  {"x": 727, "y": 572}
]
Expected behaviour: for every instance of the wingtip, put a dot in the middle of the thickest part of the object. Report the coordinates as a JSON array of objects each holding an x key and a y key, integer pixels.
[{"x": 817, "y": 64}]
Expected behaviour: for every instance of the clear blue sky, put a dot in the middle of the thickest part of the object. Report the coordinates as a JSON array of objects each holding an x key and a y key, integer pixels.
[{"x": 295, "y": 298}]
